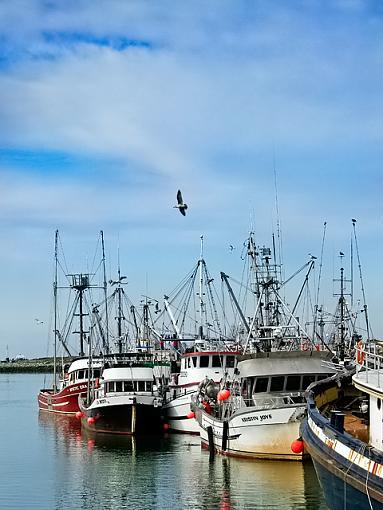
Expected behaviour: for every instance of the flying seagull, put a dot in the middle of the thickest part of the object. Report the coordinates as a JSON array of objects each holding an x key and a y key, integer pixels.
[{"x": 180, "y": 203}]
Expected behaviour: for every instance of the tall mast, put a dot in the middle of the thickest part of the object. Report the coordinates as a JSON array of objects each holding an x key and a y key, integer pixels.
[
  {"x": 361, "y": 281},
  {"x": 201, "y": 303},
  {"x": 55, "y": 311},
  {"x": 119, "y": 316},
  {"x": 105, "y": 346}
]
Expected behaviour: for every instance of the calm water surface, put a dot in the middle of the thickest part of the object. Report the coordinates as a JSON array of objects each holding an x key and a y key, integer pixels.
[{"x": 48, "y": 463}]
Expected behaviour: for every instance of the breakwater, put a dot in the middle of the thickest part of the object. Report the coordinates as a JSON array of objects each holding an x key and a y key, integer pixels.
[{"x": 37, "y": 365}]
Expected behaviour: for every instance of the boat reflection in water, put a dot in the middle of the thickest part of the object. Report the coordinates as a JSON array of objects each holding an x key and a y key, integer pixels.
[{"x": 154, "y": 472}]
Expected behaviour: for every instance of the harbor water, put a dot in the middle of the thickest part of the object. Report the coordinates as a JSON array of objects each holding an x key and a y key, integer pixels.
[{"x": 47, "y": 462}]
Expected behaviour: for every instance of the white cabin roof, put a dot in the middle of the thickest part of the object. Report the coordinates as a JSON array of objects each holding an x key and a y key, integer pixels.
[
  {"x": 128, "y": 374},
  {"x": 83, "y": 363},
  {"x": 267, "y": 364}
]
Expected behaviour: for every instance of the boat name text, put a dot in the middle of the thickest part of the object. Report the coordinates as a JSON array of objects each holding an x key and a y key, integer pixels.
[{"x": 261, "y": 417}]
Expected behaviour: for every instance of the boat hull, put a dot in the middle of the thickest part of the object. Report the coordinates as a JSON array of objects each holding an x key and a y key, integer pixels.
[
  {"x": 344, "y": 481},
  {"x": 262, "y": 434},
  {"x": 62, "y": 402},
  {"x": 176, "y": 415},
  {"x": 125, "y": 419}
]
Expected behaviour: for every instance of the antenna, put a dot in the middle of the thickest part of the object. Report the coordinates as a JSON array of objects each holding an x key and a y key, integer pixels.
[
  {"x": 319, "y": 277},
  {"x": 279, "y": 230},
  {"x": 361, "y": 280}
]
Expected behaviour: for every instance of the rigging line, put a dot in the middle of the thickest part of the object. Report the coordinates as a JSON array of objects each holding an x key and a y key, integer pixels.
[
  {"x": 361, "y": 280},
  {"x": 293, "y": 318},
  {"x": 296, "y": 273},
  {"x": 66, "y": 271}
]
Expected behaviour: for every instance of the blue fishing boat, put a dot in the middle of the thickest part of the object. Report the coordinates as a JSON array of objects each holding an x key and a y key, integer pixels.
[{"x": 343, "y": 431}]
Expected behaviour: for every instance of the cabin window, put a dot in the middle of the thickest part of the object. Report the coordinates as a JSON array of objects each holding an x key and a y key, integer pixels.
[
  {"x": 128, "y": 386},
  {"x": 141, "y": 385},
  {"x": 194, "y": 359},
  {"x": 230, "y": 361},
  {"x": 216, "y": 361},
  {"x": 189, "y": 362},
  {"x": 320, "y": 377},
  {"x": 119, "y": 386},
  {"x": 110, "y": 387},
  {"x": 379, "y": 403},
  {"x": 96, "y": 373},
  {"x": 81, "y": 374},
  {"x": 293, "y": 383},
  {"x": 204, "y": 361},
  {"x": 307, "y": 380},
  {"x": 261, "y": 384},
  {"x": 149, "y": 385},
  {"x": 277, "y": 383}
]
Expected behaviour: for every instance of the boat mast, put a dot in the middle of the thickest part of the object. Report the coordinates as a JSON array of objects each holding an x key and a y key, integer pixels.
[
  {"x": 119, "y": 315},
  {"x": 361, "y": 281},
  {"x": 201, "y": 303},
  {"x": 55, "y": 312},
  {"x": 106, "y": 341}
]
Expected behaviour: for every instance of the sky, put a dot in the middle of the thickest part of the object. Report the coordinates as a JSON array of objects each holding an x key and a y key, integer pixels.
[{"x": 266, "y": 114}]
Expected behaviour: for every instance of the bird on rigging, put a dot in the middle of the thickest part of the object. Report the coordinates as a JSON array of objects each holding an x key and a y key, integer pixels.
[{"x": 180, "y": 203}]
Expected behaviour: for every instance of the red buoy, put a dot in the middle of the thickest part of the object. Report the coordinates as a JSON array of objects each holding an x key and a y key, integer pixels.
[
  {"x": 91, "y": 420},
  {"x": 191, "y": 414},
  {"x": 79, "y": 415},
  {"x": 223, "y": 394},
  {"x": 166, "y": 426},
  {"x": 297, "y": 446}
]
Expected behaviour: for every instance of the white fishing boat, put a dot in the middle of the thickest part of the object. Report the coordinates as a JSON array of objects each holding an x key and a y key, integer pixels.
[
  {"x": 128, "y": 397},
  {"x": 258, "y": 413},
  {"x": 203, "y": 347}
]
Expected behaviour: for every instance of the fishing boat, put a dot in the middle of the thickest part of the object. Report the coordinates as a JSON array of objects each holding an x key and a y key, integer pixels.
[
  {"x": 71, "y": 374},
  {"x": 343, "y": 431},
  {"x": 128, "y": 397},
  {"x": 257, "y": 414},
  {"x": 202, "y": 346}
]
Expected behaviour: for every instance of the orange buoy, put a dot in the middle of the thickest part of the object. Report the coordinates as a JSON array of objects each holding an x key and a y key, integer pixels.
[
  {"x": 223, "y": 394},
  {"x": 191, "y": 414},
  {"x": 297, "y": 446}
]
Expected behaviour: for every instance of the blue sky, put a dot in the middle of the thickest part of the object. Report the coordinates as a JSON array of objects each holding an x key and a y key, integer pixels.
[{"x": 108, "y": 107}]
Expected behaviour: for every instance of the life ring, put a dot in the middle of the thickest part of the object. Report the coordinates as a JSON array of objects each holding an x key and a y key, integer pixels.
[
  {"x": 305, "y": 346},
  {"x": 360, "y": 353}
]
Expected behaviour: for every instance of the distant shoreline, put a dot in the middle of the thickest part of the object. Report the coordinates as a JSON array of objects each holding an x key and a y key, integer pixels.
[{"x": 37, "y": 365}]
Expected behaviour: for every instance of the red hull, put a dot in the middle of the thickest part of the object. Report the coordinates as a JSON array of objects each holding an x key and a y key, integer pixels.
[{"x": 64, "y": 401}]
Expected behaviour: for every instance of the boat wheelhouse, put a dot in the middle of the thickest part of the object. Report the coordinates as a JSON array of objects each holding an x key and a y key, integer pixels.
[
  {"x": 195, "y": 367},
  {"x": 73, "y": 383}
]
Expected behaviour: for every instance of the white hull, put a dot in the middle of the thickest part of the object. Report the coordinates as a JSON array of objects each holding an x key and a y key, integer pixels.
[
  {"x": 175, "y": 414},
  {"x": 255, "y": 433}
]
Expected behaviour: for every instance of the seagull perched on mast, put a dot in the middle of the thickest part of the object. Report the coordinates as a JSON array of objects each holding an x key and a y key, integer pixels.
[{"x": 180, "y": 205}]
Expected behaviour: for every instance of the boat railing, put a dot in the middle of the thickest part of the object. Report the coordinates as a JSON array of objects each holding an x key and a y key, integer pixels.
[
  {"x": 258, "y": 403},
  {"x": 369, "y": 361}
]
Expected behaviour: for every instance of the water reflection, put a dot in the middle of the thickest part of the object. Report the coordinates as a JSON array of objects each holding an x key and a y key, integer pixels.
[{"x": 156, "y": 472}]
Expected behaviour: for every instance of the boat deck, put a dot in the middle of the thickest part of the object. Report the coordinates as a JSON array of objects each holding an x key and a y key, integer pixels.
[{"x": 356, "y": 427}]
